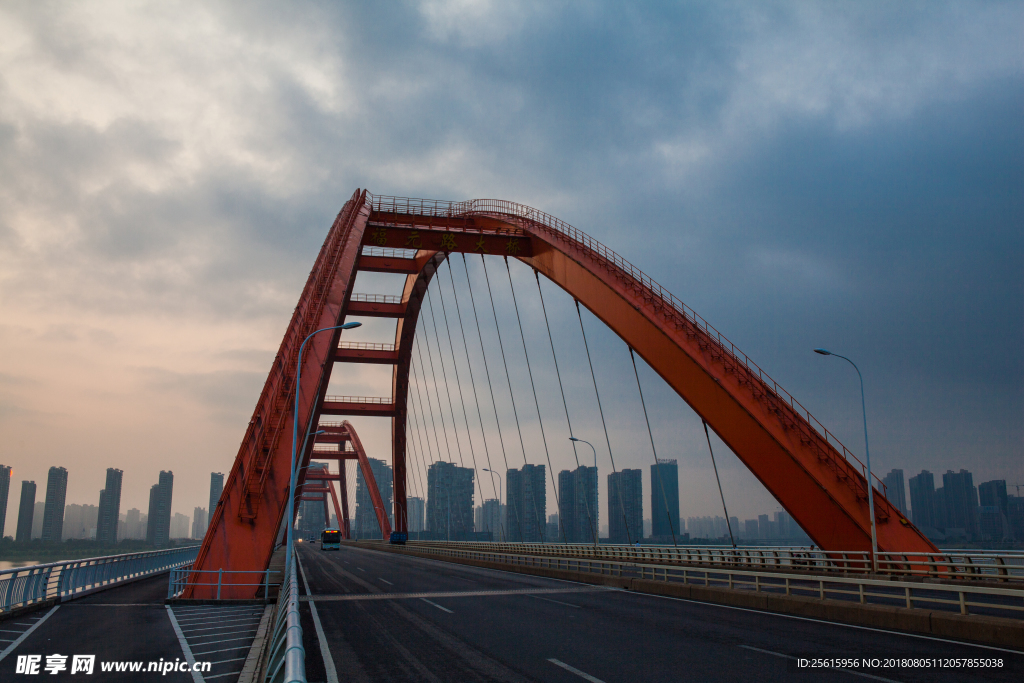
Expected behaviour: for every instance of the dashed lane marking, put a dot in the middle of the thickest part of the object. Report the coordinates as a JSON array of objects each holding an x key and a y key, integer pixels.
[{"x": 585, "y": 676}]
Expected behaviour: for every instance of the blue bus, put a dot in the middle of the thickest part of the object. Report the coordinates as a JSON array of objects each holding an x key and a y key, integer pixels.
[{"x": 330, "y": 539}]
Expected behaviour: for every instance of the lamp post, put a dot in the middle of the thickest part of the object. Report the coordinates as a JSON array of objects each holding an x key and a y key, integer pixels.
[
  {"x": 594, "y": 523},
  {"x": 295, "y": 438},
  {"x": 493, "y": 473},
  {"x": 867, "y": 456}
]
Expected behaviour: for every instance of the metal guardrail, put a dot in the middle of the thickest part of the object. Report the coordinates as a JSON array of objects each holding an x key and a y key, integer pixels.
[
  {"x": 286, "y": 662},
  {"x": 366, "y": 346},
  {"x": 179, "y": 580},
  {"x": 950, "y": 564},
  {"x": 964, "y": 598},
  {"x": 389, "y": 252},
  {"x": 377, "y": 298},
  {"x": 69, "y": 578},
  {"x": 381, "y": 400},
  {"x": 561, "y": 229}
]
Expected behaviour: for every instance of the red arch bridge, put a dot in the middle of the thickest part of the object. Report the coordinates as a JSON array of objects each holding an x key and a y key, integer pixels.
[{"x": 818, "y": 481}]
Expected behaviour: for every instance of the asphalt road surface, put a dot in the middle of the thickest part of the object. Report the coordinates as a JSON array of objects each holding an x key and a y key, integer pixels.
[{"x": 389, "y": 617}]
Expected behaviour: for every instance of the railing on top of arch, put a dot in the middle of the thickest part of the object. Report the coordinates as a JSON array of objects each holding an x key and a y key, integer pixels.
[{"x": 553, "y": 224}]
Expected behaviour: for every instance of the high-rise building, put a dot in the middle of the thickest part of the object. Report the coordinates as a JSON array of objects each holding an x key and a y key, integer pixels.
[
  {"x": 80, "y": 521},
  {"x": 198, "y": 522},
  {"x": 133, "y": 524},
  {"x": 551, "y": 530},
  {"x": 763, "y": 527},
  {"x": 313, "y": 514},
  {"x": 365, "y": 524},
  {"x": 449, "y": 500},
  {"x": 158, "y": 527},
  {"x": 577, "y": 504},
  {"x": 526, "y": 493},
  {"x": 993, "y": 519},
  {"x": 415, "y": 513},
  {"x": 5, "y": 490},
  {"x": 665, "y": 499},
  {"x": 625, "y": 506},
  {"x": 110, "y": 508},
  {"x": 216, "y": 488},
  {"x": 895, "y": 491},
  {"x": 750, "y": 529},
  {"x": 1015, "y": 515},
  {"x": 961, "y": 500},
  {"x": 53, "y": 513},
  {"x": 180, "y": 526},
  {"x": 26, "y": 511},
  {"x": 922, "y": 500},
  {"x": 490, "y": 519},
  {"x": 37, "y": 519}
]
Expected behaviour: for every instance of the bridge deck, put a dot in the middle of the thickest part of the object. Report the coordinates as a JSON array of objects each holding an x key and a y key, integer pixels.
[
  {"x": 130, "y": 623},
  {"x": 396, "y": 617}
]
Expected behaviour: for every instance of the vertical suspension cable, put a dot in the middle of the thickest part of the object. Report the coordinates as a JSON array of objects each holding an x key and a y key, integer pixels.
[
  {"x": 418, "y": 440},
  {"x": 426, "y": 435},
  {"x": 458, "y": 386},
  {"x": 451, "y": 407},
  {"x": 540, "y": 420},
  {"x": 657, "y": 465},
  {"x": 565, "y": 404},
  {"x": 417, "y": 417},
  {"x": 494, "y": 404},
  {"x": 622, "y": 506},
  {"x": 728, "y": 524},
  {"x": 515, "y": 413},
  {"x": 440, "y": 412},
  {"x": 472, "y": 379}
]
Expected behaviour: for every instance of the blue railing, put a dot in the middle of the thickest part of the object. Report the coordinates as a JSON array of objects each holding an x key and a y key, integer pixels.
[
  {"x": 287, "y": 660},
  {"x": 72, "y": 578}
]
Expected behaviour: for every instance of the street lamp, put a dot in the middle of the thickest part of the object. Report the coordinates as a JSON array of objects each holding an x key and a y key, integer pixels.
[
  {"x": 295, "y": 436},
  {"x": 594, "y": 524},
  {"x": 502, "y": 526},
  {"x": 867, "y": 455}
]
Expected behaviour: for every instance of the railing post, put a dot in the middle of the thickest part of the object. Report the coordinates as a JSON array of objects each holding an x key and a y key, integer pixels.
[
  {"x": 266, "y": 584},
  {"x": 220, "y": 576},
  {"x": 963, "y": 604}
]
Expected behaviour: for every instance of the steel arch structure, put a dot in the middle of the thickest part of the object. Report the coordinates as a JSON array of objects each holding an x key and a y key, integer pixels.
[{"x": 820, "y": 483}]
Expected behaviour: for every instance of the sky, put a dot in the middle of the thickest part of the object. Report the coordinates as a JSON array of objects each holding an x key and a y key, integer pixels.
[{"x": 801, "y": 174}]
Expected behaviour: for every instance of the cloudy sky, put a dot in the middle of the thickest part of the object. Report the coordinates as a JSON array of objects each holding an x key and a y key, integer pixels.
[{"x": 800, "y": 174}]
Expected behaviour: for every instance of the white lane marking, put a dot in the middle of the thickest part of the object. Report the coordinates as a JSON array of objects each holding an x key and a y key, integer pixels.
[
  {"x": 196, "y": 676},
  {"x": 226, "y": 640},
  {"x": 225, "y": 661},
  {"x": 572, "y": 669},
  {"x": 230, "y": 673},
  {"x": 28, "y": 632},
  {"x": 443, "y": 609},
  {"x": 250, "y": 629},
  {"x": 236, "y": 622},
  {"x": 360, "y": 569},
  {"x": 849, "y": 671},
  {"x": 550, "y": 600},
  {"x": 385, "y": 581},
  {"x": 213, "y": 652},
  {"x": 325, "y": 651}
]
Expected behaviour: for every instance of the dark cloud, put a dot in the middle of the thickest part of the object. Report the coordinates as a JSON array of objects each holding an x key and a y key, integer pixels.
[{"x": 800, "y": 174}]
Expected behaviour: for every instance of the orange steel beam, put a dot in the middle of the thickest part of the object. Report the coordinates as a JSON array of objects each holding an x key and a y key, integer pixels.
[
  {"x": 796, "y": 459},
  {"x": 244, "y": 526},
  {"x": 789, "y": 452},
  {"x": 366, "y": 356}
]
